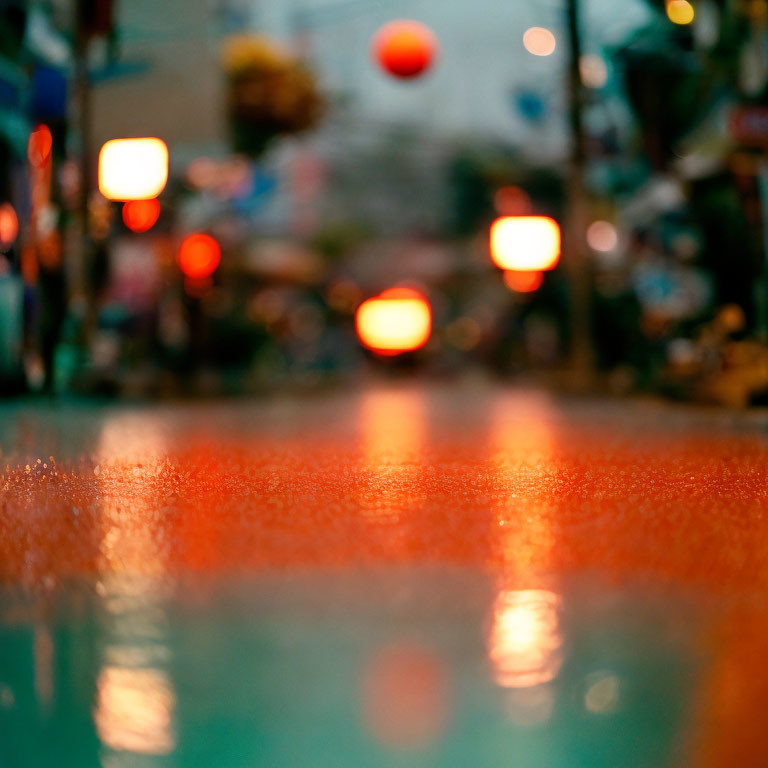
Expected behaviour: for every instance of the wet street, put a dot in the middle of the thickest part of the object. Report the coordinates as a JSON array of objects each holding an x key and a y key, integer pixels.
[{"x": 395, "y": 576}]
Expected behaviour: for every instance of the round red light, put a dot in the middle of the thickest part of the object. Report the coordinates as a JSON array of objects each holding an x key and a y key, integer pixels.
[
  {"x": 523, "y": 282},
  {"x": 141, "y": 215},
  {"x": 405, "y": 49},
  {"x": 199, "y": 255},
  {"x": 9, "y": 225}
]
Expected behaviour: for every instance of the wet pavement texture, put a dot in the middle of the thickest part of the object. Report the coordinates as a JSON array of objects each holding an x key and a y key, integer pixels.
[{"x": 396, "y": 576}]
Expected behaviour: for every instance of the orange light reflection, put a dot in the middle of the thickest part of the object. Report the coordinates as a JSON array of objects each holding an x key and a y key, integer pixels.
[
  {"x": 134, "y": 710},
  {"x": 135, "y": 697},
  {"x": 525, "y": 644},
  {"x": 393, "y": 427}
]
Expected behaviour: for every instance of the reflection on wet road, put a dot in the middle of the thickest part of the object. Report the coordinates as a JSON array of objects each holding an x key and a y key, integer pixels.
[{"x": 409, "y": 576}]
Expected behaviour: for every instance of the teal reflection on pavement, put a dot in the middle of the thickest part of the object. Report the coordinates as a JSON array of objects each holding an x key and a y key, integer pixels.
[{"x": 417, "y": 667}]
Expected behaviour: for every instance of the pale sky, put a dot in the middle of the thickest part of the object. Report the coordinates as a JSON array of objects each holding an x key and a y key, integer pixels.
[{"x": 482, "y": 62}]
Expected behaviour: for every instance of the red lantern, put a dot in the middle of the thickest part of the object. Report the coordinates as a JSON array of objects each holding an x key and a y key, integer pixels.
[
  {"x": 199, "y": 255},
  {"x": 405, "y": 49}
]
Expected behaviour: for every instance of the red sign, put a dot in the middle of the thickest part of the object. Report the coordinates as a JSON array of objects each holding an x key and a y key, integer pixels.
[{"x": 749, "y": 125}]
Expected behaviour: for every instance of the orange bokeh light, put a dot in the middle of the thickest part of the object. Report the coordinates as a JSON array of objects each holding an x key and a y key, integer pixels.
[
  {"x": 405, "y": 49},
  {"x": 141, "y": 215},
  {"x": 39, "y": 146},
  {"x": 398, "y": 320},
  {"x": 525, "y": 243},
  {"x": 523, "y": 282},
  {"x": 680, "y": 12},
  {"x": 133, "y": 169},
  {"x": 198, "y": 256},
  {"x": 9, "y": 225},
  {"x": 539, "y": 41}
]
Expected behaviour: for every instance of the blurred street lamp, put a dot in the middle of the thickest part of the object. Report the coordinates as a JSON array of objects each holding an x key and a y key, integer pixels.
[
  {"x": 405, "y": 49},
  {"x": 539, "y": 41},
  {"x": 133, "y": 169},
  {"x": 396, "y": 321},
  {"x": 525, "y": 243}
]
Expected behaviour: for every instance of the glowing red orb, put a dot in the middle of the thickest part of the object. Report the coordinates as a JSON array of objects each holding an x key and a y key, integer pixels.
[
  {"x": 198, "y": 256},
  {"x": 141, "y": 215},
  {"x": 405, "y": 49}
]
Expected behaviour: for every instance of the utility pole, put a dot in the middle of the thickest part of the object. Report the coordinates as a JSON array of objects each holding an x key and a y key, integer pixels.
[
  {"x": 582, "y": 361},
  {"x": 83, "y": 111},
  {"x": 92, "y": 18}
]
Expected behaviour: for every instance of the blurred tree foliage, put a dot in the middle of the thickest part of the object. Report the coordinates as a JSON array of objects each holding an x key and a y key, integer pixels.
[
  {"x": 728, "y": 235},
  {"x": 336, "y": 240},
  {"x": 471, "y": 197},
  {"x": 13, "y": 20},
  {"x": 673, "y": 81},
  {"x": 269, "y": 94},
  {"x": 475, "y": 174}
]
